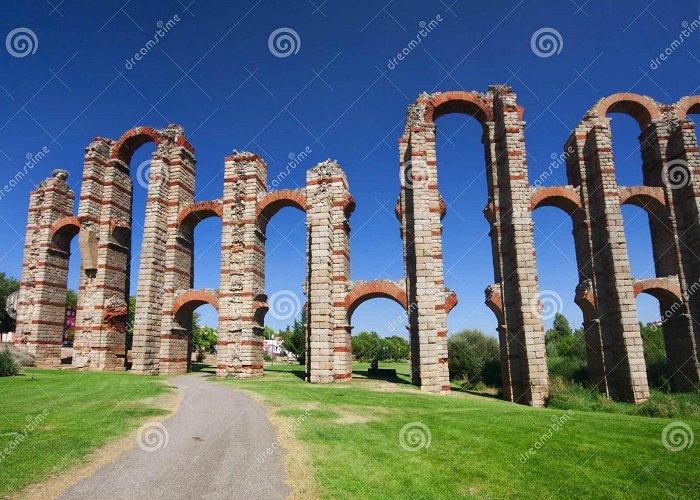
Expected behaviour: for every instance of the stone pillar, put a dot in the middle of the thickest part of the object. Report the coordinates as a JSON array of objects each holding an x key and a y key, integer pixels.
[
  {"x": 175, "y": 345},
  {"x": 681, "y": 179},
  {"x": 422, "y": 229},
  {"x": 520, "y": 297},
  {"x": 326, "y": 186},
  {"x": 343, "y": 206},
  {"x": 42, "y": 296},
  {"x": 623, "y": 355},
  {"x": 242, "y": 299}
]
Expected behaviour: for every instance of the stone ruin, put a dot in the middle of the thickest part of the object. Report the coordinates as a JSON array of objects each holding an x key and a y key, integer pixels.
[{"x": 165, "y": 299}]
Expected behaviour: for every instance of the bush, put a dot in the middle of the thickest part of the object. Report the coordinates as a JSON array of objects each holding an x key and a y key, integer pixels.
[
  {"x": 474, "y": 357},
  {"x": 267, "y": 358},
  {"x": 570, "y": 369},
  {"x": 9, "y": 366}
]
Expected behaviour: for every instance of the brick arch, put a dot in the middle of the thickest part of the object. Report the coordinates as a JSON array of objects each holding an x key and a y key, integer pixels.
[
  {"x": 63, "y": 231},
  {"x": 687, "y": 106},
  {"x": 373, "y": 290},
  {"x": 450, "y": 302},
  {"x": 458, "y": 101},
  {"x": 275, "y": 201},
  {"x": 641, "y": 108},
  {"x": 560, "y": 197},
  {"x": 195, "y": 213},
  {"x": 192, "y": 299},
  {"x": 651, "y": 199},
  {"x": 132, "y": 140},
  {"x": 663, "y": 289}
]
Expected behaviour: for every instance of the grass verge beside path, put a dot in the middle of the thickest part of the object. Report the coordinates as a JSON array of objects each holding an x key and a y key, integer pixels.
[
  {"x": 51, "y": 420},
  {"x": 478, "y": 446}
]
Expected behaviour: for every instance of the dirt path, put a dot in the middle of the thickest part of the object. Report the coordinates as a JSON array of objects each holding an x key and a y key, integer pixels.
[{"x": 214, "y": 446}]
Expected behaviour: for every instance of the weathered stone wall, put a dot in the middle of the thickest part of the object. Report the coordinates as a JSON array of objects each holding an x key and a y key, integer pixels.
[{"x": 165, "y": 299}]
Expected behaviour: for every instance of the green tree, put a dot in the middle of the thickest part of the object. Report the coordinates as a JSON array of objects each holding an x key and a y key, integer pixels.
[
  {"x": 204, "y": 339},
  {"x": 367, "y": 346},
  {"x": 7, "y": 286},
  {"x": 71, "y": 298},
  {"x": 130, "y": 322},
  {"x": 269, "y": 333},
  {"x": 294, "y": 339},
  {"x": 472, "y": 355}
]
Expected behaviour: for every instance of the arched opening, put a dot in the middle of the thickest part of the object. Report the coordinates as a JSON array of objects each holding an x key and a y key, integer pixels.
[
  {"x": 466, "y": 244},
  {"x": 377, "y": 313},
  {"x": 201, "y": 230},
  {"x": 559, "y": 276},
  {"x": 65, "y": 250},
  {"x": 192, "y": 335},
  {"x": 667, "y": 346},
  {"x": 282, "y": 319}
]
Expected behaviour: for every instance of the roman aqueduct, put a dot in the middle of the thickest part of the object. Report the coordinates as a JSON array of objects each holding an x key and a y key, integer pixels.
[{"x": 165, "y": 299}]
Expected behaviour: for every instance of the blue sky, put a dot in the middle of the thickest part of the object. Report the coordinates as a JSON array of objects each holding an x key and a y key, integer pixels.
[{"x": 339, "y": 96}]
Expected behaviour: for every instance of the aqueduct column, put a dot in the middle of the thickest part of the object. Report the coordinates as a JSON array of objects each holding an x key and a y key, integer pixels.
[
  {"x": 519, "y": 270},
  {"x": 242, "y": 300},
  {"x": 42, "y": 299},
  {"x": 623, "y": 357},
  {"x": 151, "y": 295},
  {"x": 175, "y": 351},
  {"x": 667, "y": 246},
  {"x": 327, "y": 198},
  {"x": 682, "y": 183}
]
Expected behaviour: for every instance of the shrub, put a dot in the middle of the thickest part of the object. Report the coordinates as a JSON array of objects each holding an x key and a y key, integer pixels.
[
  {"x": 473, "y": 357},
  {"x": 9, "y": 366}
]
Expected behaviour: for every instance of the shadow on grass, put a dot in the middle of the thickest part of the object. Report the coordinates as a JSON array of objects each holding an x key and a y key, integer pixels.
[
  {"x": 203, "y": 368},
  {"x": 298, "y": 371},
  {"x": 476, "y": 393},
  {"x": 385, "y": 375}
]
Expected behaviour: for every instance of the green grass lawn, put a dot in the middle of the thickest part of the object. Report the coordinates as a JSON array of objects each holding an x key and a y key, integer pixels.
[
  {"x": 478, "y": 445},
  {"x": 65, "y": 415}
]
